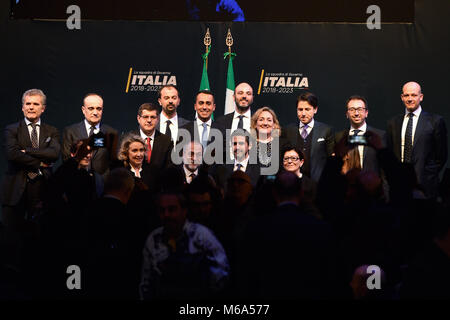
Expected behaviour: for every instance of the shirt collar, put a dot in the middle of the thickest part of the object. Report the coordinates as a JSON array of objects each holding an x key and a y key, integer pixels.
[
  {"x": 173, "y": 120},
  {"x": 88, "y": 125},
  {"x": 362, "y": 129},
  {"x": 144, "y": 136},
  {"x": 310, "y": 124},
  {"x": 243, "y": 162},
  {"x": 247, "y": 114},
  {"x": 28, "y": 122},
  {"x": 200, "y": 122},
  {"x": 188, "y": 172},
  {"x": 416, "y": 112}
]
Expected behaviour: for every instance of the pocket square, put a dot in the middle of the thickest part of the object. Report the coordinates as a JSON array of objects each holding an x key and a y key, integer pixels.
[
  {"x": 320, "y": 139},
  {"x": 48, "y": 139}
]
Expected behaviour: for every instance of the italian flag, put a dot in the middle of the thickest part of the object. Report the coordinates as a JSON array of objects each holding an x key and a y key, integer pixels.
[{"x": 229, "y": 101}]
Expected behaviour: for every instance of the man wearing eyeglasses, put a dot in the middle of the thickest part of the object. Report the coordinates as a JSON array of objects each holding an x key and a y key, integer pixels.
[
  {"x": 419, "y": 138},
  {"x": 357, "y": 111}
]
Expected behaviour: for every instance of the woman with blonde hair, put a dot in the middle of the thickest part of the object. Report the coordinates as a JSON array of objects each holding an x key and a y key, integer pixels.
[
  {"x": 265, "y": 127},
  {"x": 131, "y": 153}
]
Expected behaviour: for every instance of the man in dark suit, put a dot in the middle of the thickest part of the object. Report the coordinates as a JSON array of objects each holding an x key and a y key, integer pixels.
[
  {"x": 169, "y": 100},
  {"x": 357, "y": 110},
  {"x": 91, "y": 125},
  {"x": 209, "y": 133},
  {"x": 240, "y": 118},
  {"x": 31, "y": 149},
  {"x": 315, "y": 139},
  {"x": 159, "y": 146},
  {"x": 419, "y": 138},
  {"x": 240, "y": 141}
]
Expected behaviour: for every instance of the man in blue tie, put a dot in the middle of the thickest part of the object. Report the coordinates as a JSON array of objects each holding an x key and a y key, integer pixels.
[
  {"x": 419, "y": 138},
  {"x": 204, "y": 129}
]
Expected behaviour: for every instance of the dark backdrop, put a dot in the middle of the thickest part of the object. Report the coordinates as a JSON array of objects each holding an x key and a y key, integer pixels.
[{"x": 338, "y": 59}]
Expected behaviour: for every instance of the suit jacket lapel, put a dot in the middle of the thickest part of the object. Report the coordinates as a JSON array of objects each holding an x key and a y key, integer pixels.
[
  {"x": 420, "y": 127},
  {"x": 42, "y": 134},
  {"x": 24, "y": 135},
  {"x": 82, "y": 130},
  {"x": 315, "y": 134},
  {"x": 398, "y": 133},
  {"x": 156, "y": 147}
]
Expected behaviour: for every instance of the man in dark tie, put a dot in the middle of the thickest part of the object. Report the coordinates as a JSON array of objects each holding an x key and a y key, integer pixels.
[
  {"x": 169, "y": 100},
  {"x": 315, "y": 139},
  {"x": 31, "y": 149},
  {"x": 240, "y": 118},
  {"x": 357, "y": 110},
  {"x": 192, "y": 160},
  {"x": 159, "y": 146},
  {"x": 241, "y": 144},
  {"x": 91, "y": 125},
  {"x": 419, "y": 138},
  {"x": 209, "y": 133}
]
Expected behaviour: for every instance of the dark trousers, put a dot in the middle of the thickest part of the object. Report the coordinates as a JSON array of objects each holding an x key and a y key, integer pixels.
[{"x": 29, "y": 206}]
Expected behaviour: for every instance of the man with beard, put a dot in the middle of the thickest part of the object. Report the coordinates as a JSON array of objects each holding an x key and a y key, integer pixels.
[
  {"x": 357, "y": 111},
  {"x": 169, "y": 122},
  {"x": 240, "y": 118}
]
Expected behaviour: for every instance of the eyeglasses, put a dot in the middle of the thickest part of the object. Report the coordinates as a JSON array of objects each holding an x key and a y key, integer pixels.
[
  {"x": 293, "y": 159},
  {"x": 353, "y": 110}
]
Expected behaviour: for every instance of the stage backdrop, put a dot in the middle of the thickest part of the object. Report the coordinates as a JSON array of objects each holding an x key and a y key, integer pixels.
[{"x": 279, "y": 60}]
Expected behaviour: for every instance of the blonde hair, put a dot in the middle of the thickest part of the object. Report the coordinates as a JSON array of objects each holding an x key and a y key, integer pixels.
[
  {"x": 254, "y": 120},
  {"x": 125, "y": 147}
]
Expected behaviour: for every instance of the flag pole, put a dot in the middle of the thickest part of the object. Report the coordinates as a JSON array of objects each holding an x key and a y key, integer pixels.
[{"x": 207, "y": 43}]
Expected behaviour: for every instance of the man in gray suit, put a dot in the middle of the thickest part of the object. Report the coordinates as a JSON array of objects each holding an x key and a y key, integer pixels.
[
  {"x": 315, "y": 139},
  {"x": 169, "y": 122},
  {"x": 31, "y": 148},
  {"x": 91, "y": 125}
]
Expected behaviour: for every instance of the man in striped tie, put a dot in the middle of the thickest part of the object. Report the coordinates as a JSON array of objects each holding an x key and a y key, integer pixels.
[{"x": 31, "y": 149}]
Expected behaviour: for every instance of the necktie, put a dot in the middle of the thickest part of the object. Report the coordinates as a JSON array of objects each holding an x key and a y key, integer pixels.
[
  {"x": 241, "y": 122},
  {"x": 91, "y": 131},
  {"x": 204, "y": 135},
  {"x": 357, "y": 153},
  {"x": 149, "y": 149},
  {"x": 168, "y": 131},
  {"x": 408, "y": 139},
  {"x": 35, "y": 145},
  {"x": 304, "y": 131},
  {"x": 192, "y": 176},
  {"x": 239, "y": 167}
]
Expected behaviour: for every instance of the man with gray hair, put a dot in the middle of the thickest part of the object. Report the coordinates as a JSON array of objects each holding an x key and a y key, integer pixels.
[{"x": 31, "y": 148}]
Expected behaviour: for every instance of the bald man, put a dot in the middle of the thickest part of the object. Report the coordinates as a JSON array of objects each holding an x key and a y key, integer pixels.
[
  {"x": 240, "y": 118},
  {"x": 419, "y": 138}
]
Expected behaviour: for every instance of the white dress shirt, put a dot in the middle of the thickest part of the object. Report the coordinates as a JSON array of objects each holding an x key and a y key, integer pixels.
[
  {"x": 362, "y": 131},
  {"x": 88, "y": 127},
  {"x": 405, "y": 124},
  {"x": 144, "y": 136},
  {"x": 30, "y": 128},
  {"x": 137, "y": 173},
  {"x": 246, "y": 120},
  {"x": 200, "y": 128},
  {"x": 173, "y": 126},
  {"x": 244, "y": 164},
  {"x": 310, "y": 127},
  {"x": 188, "y": 173}
]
